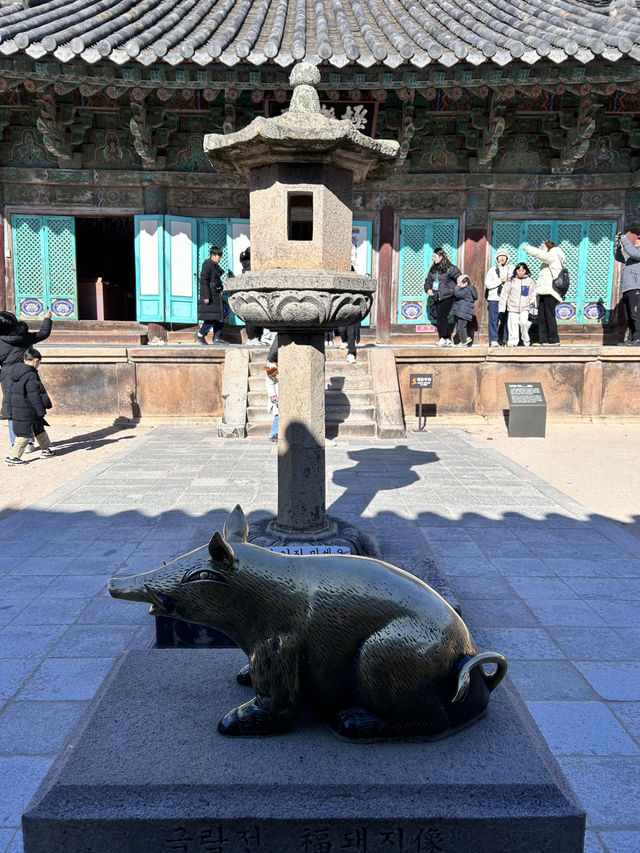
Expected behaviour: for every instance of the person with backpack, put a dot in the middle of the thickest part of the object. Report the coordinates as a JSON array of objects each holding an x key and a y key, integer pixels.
[
  {"x": 547, "y": 297},
  {"x": 627, "y": 252}
]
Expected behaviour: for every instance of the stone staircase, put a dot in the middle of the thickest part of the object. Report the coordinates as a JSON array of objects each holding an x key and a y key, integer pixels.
[{"x": 349, "y": 399}]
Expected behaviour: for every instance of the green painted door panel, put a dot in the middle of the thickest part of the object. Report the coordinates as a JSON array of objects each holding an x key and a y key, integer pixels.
[
  {"x": 44, "y": 252},
  {"x": 588, "y": 249},
  {"x": 418, "y": 239}
]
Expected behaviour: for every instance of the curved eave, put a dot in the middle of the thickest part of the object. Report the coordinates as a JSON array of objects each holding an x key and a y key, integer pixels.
[{"x": 337, "y": 33}]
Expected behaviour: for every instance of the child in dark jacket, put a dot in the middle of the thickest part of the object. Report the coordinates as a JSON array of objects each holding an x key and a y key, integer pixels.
[
  {"x": 15, "y": 338},
  {"x": 29, "y": 404},
  {"x": 465, "y": 295}
]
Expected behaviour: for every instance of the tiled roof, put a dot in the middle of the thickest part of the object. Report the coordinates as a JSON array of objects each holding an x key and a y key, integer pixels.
[{"x": 337, "y": 32}]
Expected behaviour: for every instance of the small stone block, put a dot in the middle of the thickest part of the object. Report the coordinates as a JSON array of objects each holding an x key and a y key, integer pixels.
[{"x": 150, "y": 772}]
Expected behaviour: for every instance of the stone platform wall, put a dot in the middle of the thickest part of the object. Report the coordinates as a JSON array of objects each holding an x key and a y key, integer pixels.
[
  {"x": 186, "y": 382},
  {"x": 134, "y": 382},
  {"x": 578, "y": 382}
]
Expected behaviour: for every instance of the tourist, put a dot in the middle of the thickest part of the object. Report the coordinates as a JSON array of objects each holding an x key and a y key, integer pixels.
[
  {"x": 15, "y": 338},
  {"x": 552, "y": 258},
  {"x": 465, "y": 294},
  {"x": 439, "y": 284},
  {"x": 494, "y": 281},
  {"x": 518, "y": 299},
  {"x": 29, "y": 402},
  {"x": 210, "y": 307},
  {"x": 271, "y": 381},
  {"x": 348, "y": 335},
  {"x": 254, "y": 333},
  {"x": 627, "y": 251}
]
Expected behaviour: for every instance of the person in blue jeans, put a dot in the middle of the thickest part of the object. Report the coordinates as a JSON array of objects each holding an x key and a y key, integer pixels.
[{"x": 495, "y": 279}]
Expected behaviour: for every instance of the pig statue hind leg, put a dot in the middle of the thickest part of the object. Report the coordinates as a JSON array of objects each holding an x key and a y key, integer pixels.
[{"x": 399, "y": 697}]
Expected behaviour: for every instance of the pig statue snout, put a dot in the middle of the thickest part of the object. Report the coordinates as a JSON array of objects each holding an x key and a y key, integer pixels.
[{"x": 365, "y": 646}]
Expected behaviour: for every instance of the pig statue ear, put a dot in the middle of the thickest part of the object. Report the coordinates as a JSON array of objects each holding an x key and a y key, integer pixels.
[
  {"x": 221, "y": 553},
  {"x": 236, "y": 526}
]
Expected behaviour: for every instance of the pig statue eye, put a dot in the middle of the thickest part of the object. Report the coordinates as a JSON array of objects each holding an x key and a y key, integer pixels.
[{"x": 200, "y": 575}]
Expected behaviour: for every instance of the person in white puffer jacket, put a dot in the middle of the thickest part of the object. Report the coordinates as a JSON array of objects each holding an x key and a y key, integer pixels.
[
  {"x": 517, "y": 299},
  {"x": 552, "y": 258},
  {"x": 495, "y": 279}
]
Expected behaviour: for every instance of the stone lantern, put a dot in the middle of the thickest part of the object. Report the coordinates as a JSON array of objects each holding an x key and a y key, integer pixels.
[{"x": 301, "y": 167}]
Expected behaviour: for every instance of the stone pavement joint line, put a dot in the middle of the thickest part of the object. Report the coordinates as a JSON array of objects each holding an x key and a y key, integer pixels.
[{"x": 538, "y": 579}]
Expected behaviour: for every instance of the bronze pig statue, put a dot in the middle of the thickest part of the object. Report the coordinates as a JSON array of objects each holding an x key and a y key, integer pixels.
[{"x": 363, "y": 645}]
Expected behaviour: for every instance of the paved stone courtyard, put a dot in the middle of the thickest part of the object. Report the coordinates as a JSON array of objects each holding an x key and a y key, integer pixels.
[{"x": 540, "y": 579}]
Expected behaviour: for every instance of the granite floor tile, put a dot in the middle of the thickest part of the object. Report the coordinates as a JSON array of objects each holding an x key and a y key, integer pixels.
[
  {"x": 532, "y": 587},
  {"x": 67, "y": 679},
  {"x": 37, "y": 728},
  {"x": 95, "y": 641},
  {"x": 15, "y": 673},
  {"x": 540, "y": 680},
  {"x": 609, "y": 788},
  {"x": 498, "y": 614},
  {"x": 615, "y": 681},
  {"x": 565, "y": 612},
  {"x": 45, "y": 611},
  {"x": 31, "y": 641},
  {"x": 580, "y": 643},
  {"x": 522, "y": 566},
  {"x": 620, "y": 614},
  {"x": 19, "y": 778},
  {"x": 622, "y": 842},
  {"x": 581, "y": 728},
  {"x": 629, "y": 715},
  {"x": 528, "y": 644}
]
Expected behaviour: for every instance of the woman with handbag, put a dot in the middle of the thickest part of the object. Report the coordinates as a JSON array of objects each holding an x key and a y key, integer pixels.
[
  {"x": 552, "y": 258},
  {"x": 439, "y": 284}
]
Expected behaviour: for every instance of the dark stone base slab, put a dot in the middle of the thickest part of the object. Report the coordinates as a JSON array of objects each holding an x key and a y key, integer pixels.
[
  {"x": 342, "y": 534},
  {"x": 148, "y": 773}
]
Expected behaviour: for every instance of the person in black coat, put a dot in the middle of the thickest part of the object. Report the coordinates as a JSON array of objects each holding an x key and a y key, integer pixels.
[
  {"x": 29, "y": 404},
  {"x": 210, "y": 308},
  {"x": 439, "y": 284},
  {"x": 254, "y": 333},
  {"x": 15, "y": 338}
]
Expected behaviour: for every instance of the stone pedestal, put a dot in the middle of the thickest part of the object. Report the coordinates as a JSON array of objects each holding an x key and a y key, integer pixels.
[
  {"x": 148, "y": 772},
  {"x": 301, "y": 425}
]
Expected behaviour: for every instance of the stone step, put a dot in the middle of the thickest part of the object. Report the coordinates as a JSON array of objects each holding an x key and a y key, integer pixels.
[
  {"x": 347, "y": 412},
  {"x": 344, "y": 429},
  {"x": 333, "y": 397},
  {"x": 344, "y": 383},
  {"x": 350, "y": 429}
]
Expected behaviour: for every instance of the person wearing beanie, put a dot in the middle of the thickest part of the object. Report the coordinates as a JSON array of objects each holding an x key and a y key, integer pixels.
[{"x": 495, "y": 279}]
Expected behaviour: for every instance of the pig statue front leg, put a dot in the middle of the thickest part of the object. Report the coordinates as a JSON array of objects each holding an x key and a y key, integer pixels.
[{"x": 274, "y": 674}]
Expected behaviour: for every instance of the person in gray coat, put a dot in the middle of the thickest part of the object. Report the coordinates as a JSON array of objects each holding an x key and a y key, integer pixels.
[
  {"x": 465, "y": 295},
  {"x": 627, "y": 251}
]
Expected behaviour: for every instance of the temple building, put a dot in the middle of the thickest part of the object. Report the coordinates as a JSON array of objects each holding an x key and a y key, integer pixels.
[{"x": 518, "y": 122}]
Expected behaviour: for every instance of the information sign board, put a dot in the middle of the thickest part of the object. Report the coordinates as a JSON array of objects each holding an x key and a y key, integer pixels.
[
  {"x": 527, "y": 409},
  {"x": 420, "y": 380}
]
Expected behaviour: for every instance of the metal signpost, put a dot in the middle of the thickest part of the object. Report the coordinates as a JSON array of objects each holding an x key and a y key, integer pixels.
[
  {"x": 527, "y": 410},
  {"x": 420, "y": 381}
]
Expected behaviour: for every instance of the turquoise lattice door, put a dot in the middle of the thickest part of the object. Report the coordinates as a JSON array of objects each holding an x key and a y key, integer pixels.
[
  {"x": 214, "y": 232},
  {"x": 44, "y": 252},
  {"x": 418, "y": 239},
  {"x": 588, "y": 247}
]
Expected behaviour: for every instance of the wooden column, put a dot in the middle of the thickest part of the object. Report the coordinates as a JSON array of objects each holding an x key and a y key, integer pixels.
[
  {"x": 475, "y": 249},
  {"x": 385, "y": 276}
]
